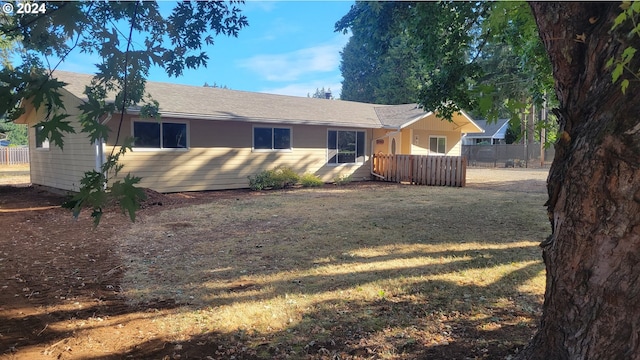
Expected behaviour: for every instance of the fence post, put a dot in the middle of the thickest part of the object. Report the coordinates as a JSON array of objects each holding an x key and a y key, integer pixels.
[
  {"x": 464, "y": 172},
  {"x": 410, "y": 169}
]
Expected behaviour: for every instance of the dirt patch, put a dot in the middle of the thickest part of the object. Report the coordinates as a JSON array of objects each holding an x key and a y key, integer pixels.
[
  {"x": 62, "y": 297},
  {"x": 513, "y": 180}
]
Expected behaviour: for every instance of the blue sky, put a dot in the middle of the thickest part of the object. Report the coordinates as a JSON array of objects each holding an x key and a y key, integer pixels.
[{"x": 288, "y": 48}]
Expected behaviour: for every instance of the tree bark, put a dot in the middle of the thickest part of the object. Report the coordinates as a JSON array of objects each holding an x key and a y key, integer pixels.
[{"x": 592, "y": 301}]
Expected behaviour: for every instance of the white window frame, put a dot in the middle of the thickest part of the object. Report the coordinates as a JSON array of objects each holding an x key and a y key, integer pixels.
[
  {"x": 253, "y": 138},
  {"x": 432, "y": 152},
  {"x": 161, "y": 122},
  {"x": 364, "y": 152}
]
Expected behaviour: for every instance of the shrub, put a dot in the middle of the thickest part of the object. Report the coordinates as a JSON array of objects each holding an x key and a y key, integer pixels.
[
  {"x": 310, "y": 180},
  {"x": 342, "y": 179},
  {"x": 278, "y": 178},
  {"x": 284, "y": 177},
  {"x": 262, "y": 180}
]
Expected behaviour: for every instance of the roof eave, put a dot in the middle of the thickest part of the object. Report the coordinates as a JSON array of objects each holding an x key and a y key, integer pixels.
[{"x": 470, "y": 119}]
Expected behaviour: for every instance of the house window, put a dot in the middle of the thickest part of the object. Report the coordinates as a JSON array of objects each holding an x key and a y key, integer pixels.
[
  {"x": 438, "y": 145},
  {"x": 345, "y": 147},
  {"x": 160, "y": 135},
  {"x": 41, "y": 143},
  {"x": 268, "y": 138}
]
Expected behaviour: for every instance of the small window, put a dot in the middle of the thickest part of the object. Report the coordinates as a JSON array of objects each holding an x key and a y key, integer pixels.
[
  {"x": 174, "y": 136},
  {"x": 160, "y": 135},
  {"x": 345, "y": 147},
  {"x": 438, "y": 145},
  {"x": 267, "y": 138},
  {"x": 40, "y": 142}
]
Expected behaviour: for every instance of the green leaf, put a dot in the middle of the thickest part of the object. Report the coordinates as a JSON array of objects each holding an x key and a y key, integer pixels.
[
  {"x": 609, "y": 62},
  {"x": 619, "y": 20},
  {"x": 95, "y": 130},
  {"x": 128, "y": 195},
  {"x": 150, "y": 109},
  {"x": 624, "y": 85},
  {"x": 617, "y": 71},
  {"x": 46, "y": 91},
  {"x": 625, "y": 4},
  {"x": 53, "y": 129},
  {"x": 628, "y": 54},
  {"x": 485, "y": 103}
]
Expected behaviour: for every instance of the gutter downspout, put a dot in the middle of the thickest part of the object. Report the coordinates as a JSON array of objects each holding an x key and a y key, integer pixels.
[
  {"x": 372, "y": 154},
  {"x": 99, "y": 149}
]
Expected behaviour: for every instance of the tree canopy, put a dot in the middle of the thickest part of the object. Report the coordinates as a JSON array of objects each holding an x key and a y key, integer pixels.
[
  {"x": 321, "y": 94},
  {"x": 15, "y": 133},
  {"x": 495, "y": 58},
  {"x": 485, "y": 57},
  {"x": 127, "y": 38}
]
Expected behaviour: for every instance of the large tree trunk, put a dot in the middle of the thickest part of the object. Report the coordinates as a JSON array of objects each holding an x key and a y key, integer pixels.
[{"x": 592, "y": 301}]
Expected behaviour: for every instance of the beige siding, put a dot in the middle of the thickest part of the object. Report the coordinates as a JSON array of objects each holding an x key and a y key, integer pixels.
[
  {"x": 61, "y": 168},
  {"x": 385, "y": 139},
  {"x": 420, "y": 144},
  {"x": 421, "y": 131},
  {"x": 456, "y": 149},
  {"x": 414, "y": 139},
  {"x": 405, "y": 141},
  {"x": 433, "y": 123},
  {"x": 220, "y": 157}
]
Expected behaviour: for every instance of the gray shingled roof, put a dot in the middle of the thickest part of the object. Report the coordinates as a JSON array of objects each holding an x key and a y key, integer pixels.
[
  {"x": 493, "y": 129},
  {"x": 224, "y": 104},
  {"x": 195, "y": 102},
  {"x": 398, "y": 115}
]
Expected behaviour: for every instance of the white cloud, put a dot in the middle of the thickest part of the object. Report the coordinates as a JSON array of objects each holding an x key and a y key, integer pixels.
[
  {"x": 294, "y": 65},
  {"x": 278, "y": 29}
]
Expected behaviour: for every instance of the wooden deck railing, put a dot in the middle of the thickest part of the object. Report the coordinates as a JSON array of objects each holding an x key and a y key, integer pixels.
[{"x": 421, "y": 169}]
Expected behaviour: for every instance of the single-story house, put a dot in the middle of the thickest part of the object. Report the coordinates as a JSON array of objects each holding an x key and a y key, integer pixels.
[
  {"x": 494, "y": 133},
  {"x": 213, "y": 138}
]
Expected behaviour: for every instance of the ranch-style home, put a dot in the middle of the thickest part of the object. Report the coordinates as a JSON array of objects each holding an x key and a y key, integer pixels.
[{"x": 212, "y": 138}]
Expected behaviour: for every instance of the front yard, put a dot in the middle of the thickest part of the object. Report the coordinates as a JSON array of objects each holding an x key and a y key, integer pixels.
[{"x": 361, "y": 271}]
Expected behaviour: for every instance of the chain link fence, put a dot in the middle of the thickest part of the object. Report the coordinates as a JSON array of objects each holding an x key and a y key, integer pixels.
[{"x": 507, "y": 155}]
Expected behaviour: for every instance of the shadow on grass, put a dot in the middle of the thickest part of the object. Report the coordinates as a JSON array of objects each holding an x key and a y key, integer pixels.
[
  {"x": 383, "y": 328},
  {"x": 422, "y": 320}
]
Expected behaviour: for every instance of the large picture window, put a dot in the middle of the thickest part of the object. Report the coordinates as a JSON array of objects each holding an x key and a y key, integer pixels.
[
  {"x": 160, "y": 135},
  {"x": 345, "y": 147},
  {"x": 271, "y": 138},
  {"x": 438, "y": 145}
]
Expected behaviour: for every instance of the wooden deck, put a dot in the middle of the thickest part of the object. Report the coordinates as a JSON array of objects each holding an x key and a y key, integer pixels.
[{"x": 421, "y": 169}]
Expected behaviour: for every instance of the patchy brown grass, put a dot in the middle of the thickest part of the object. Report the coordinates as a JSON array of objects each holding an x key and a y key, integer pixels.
[
  {"x": 362, "y": 271},
  {"x": 390, "y": 270}
]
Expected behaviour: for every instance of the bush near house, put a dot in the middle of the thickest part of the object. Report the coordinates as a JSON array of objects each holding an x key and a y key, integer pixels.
[
  {"x": 278, "y": 178},
  {"x": 310, "y": 180},
  {"x": 342, "y": 179}
]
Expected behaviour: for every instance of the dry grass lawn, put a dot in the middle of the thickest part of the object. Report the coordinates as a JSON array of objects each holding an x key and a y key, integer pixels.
[
  {"x": 358, "y": 271},
  {"x": 363, "y": 271},
  {"x": 14, "y": 174}
]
